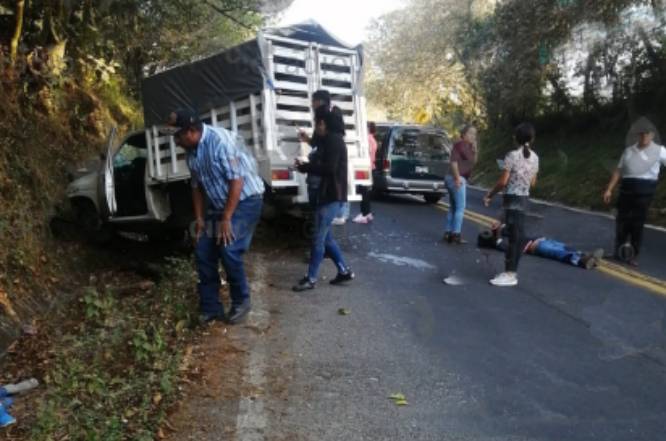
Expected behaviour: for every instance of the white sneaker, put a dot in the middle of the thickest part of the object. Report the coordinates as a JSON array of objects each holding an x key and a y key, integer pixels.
[
  {"x": 339, "y": 221},
  {"x": 505, "y": 279},
  {"x": 370, "y": 217},
  {"x": 360, "y": 219}
]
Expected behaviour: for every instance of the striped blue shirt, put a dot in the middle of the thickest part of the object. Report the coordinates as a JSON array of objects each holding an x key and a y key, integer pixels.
[{"x": 221, "y": 157}]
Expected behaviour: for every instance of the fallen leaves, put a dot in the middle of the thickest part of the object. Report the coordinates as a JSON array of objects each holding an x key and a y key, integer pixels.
[{"x": 6, "y": 304}]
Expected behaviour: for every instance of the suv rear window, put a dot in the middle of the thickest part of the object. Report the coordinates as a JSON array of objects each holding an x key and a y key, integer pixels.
[{"x": 421, "y": 144}]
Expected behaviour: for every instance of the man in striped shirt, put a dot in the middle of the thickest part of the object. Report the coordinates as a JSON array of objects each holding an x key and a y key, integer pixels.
[{"x": 227, "y": 195}]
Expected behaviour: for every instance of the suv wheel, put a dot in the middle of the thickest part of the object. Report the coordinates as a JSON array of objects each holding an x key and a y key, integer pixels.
[{"x": 432, "y": 198}]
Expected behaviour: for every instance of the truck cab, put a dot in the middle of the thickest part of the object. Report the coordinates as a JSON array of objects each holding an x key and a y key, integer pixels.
[{"x": 119, "y": 193}]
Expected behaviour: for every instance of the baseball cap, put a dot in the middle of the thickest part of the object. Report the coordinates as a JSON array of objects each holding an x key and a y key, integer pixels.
[
  {"x": 644, "y": 125},
  {"x": 178, "y": 120}
]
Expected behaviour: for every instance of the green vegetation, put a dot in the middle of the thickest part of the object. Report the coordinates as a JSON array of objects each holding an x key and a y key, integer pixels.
[
  {"x": 69, "y": 72},
  {"x": 582, "y": 71},
  {"x": 115, "y": 372}
]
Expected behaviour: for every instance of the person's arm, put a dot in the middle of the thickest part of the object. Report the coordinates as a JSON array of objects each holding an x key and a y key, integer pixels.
[
  {"x": 615, "y": 178},
  {"x": 499, "y": 186},
  {"x": 230, "y": 158},
  {"x": 456, "y": 156},
  {"x": 455, "y": 171},
  {"x": 330, "y": 158},
  {"x": 198, "y": 204},
  {"x": 225, "y": 230},
  {"x": 662, "y": 156}
]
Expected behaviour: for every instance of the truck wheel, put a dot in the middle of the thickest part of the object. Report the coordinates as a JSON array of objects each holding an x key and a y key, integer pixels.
[
  {"x": 432, "y": 198},
  {"x": 95, "y": 230}
]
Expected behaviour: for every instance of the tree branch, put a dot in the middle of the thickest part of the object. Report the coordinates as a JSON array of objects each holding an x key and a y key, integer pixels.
[
  {"x": 20, "y": 7},
  {"x": 225, "y": 13}
]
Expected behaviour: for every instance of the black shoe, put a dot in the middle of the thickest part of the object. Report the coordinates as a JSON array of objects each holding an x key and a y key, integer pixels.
[
  {"x": 342, "y": 278},
  {"x": 447, "y": 237},
  {"x": 457, "y": 239},
  {"x": 588, "y": 261},
  {"x": 303, "y": 285},
  {"x": 206, "y": 319},
  {"x": 239, "y": 313}
]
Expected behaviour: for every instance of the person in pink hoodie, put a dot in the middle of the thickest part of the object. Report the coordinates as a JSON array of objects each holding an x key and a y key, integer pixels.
[{"x": 366, "y": 215}]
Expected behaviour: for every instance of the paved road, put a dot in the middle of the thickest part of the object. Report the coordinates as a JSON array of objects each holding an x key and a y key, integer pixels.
[{"x": 568, "y": 355}]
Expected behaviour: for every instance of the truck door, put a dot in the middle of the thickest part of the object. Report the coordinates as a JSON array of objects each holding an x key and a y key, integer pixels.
[{"x": 108, "y": 192}]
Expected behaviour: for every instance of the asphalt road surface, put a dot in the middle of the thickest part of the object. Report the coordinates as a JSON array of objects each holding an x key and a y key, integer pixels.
[{"x": 567, "y": 355}]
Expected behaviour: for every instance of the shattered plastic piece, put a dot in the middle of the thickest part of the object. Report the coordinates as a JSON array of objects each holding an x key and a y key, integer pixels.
[
  {"x": 13, "y": 389},
  {"x": 29, "y": 329},
  {"x": 453, "y": 280}
]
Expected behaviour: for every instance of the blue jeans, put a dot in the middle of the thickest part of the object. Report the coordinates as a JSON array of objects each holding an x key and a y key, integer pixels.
[
  {"x": 344, "y": 210},
  {"x": 458, "y": 198},
  {"x": 323, "y": 243},
  {"x": 552, "y": 249},
  {"x": 208, "y": 255}
]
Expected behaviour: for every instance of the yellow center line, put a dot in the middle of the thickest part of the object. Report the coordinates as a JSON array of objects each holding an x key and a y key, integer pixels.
[{"x": 619, "y": 272}]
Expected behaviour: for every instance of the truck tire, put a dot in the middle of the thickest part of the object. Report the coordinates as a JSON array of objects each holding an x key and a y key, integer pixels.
[{"x": 95, "y": 230}]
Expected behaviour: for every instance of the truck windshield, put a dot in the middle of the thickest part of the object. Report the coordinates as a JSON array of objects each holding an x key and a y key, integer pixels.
[{"x": 421, "y": 144}]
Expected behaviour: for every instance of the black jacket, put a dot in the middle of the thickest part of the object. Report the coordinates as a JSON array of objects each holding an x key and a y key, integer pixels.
[{"x": 332, "y": 167}]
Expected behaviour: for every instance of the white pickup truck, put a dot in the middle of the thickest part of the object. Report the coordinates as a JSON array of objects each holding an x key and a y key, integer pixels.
[{"x": 260, "y": 90}]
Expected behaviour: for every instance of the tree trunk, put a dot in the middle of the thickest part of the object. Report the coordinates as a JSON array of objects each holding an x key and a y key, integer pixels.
[{"x": 20, "y": 7}]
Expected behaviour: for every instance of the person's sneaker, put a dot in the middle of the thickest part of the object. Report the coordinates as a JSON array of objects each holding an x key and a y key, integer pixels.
[
  {"x": 303, "y": 285},
  {"x": 209, "y": 319},
  {"x": 342, "y": 278},
  {"x": 504, "y": 279},
  {"x": 457, "y": 239},
  {"x": 447, "y": 237},
  {"x": 339, "y": 221},
  {"x": 360, "y": 219},
  {"x": 239, "y": 313},
  {"x": 370, "y": 217},
  {"x": 588, "y": 261}
]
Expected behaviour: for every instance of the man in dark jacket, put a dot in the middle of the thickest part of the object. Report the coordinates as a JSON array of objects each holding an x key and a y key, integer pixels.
[{"x": 331, "y": 166}]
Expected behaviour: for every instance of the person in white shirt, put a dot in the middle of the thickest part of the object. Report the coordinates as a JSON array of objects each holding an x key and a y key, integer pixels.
[{"x": 638, "y": 174}]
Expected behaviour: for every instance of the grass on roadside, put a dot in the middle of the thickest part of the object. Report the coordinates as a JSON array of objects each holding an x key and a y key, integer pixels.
[{"x": 114, "y": 375}]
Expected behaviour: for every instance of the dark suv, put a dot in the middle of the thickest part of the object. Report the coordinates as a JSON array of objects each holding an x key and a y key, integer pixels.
[{"x": 411, "y": 159}]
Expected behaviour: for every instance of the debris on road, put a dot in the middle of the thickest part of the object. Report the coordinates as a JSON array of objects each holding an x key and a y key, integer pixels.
[
  {"x": 399, "y": 399},
  {"x": 453, "y": 280},
  {"x": 344, "y": 311}
]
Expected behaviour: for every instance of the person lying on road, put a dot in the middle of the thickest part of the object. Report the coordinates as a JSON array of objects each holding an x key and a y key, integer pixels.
[{"x": 542, "y": 247}]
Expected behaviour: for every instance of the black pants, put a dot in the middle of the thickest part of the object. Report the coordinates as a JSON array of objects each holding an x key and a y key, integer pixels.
[
  {"x": 632, "y": 211},
  {"x": 515, "y": 230},
  {"x": 366, "y": 193}
]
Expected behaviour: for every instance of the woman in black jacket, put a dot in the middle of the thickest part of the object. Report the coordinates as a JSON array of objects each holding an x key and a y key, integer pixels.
[{"x": 331, "y": 166}]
